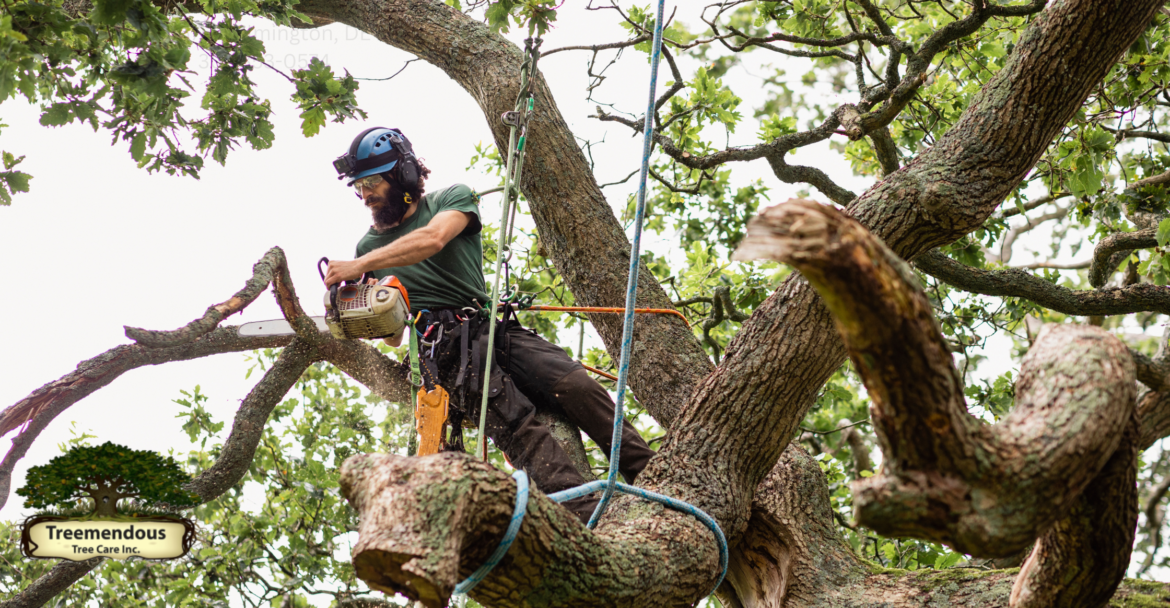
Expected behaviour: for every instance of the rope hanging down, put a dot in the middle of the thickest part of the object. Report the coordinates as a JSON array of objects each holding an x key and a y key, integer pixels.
[
  {"x": 518, "y": 120},
  {"x": 610, "y": 485}
]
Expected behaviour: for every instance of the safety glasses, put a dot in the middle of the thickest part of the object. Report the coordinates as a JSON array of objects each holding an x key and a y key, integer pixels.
[{"x": 369, "y": 181}]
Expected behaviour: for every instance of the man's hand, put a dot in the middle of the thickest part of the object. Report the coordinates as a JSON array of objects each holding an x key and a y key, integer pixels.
[{"x": 341, "y": 270}]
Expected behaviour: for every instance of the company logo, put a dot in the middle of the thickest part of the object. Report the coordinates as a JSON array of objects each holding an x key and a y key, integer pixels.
[{"x": 131, "y": 493}]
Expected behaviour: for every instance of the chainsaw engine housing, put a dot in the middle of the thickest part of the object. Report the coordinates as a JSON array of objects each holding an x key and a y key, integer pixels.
[{"x": 367, "y": 311}]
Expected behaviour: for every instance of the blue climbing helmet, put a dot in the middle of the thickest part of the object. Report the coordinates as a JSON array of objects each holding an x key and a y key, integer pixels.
[{"x": 379, "y": 150}]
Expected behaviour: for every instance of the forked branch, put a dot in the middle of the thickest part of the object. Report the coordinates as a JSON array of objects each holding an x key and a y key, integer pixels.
[
  {"x": 985, "y": 490},
  {"x": 554, "y": 561}
]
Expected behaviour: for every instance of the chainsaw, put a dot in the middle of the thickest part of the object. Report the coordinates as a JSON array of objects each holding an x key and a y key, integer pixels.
[{"x": 360, "y": 309}]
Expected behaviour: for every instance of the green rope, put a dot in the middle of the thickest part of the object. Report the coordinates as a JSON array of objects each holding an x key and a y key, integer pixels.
[{"x": 517, "y": 137}]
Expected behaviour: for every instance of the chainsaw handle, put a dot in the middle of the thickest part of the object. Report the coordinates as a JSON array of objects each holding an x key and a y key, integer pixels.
[
  {"x": 333, "y": 311},
  {"x": 360, "y": 280},
  {"x": 321, "y": 271}
]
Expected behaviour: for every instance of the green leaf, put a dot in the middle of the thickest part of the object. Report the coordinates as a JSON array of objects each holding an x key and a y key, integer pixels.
[
  {"x": 17, "y": 181},
  {"x": 57, "y": 114},
  {"x": 138, "y": 146},
  {"x": 311, "y": 121},
  {"x": 111, "y": 12},
  {"x": 1163, "y": 233},
  {"x": 946, "y": 560}
]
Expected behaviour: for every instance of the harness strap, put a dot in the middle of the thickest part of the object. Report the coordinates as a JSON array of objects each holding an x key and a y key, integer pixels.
[
  {"x": 464, "y": 330},
  {"x": 415, "y": 374}
]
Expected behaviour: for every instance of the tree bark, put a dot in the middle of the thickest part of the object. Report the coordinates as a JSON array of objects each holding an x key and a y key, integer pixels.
[
  {"x": 773, "y": 367},
  {"x": 787, "y": 349},
  {"x": 429, "y": 522},
  {"x": 985, "y": 490}
]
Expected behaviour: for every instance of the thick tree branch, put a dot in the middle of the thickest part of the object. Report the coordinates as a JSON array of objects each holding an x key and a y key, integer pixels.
[
  {"x": 795, "y": 174},
  {"x": 1079, "y": 562},
  {"x": 265, "y": 271},
  {"x": 1155, "y": 180},
  {"x": 885, "y": 149},
  {"x": 793, "y": 556},
  {"x": 36, "y": 411},
  {"x": 987, "y": 491},
  {"x": 554, "y": 561},
  {"x": 384, "y": 376},
  {"x": 1123, "y": 134},
  {"x": 45, "y": 588},
  {"x": 1154, "y": 416}
]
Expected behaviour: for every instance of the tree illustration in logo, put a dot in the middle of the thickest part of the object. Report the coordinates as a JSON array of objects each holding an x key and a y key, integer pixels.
[{"x": 106, "y": 474}]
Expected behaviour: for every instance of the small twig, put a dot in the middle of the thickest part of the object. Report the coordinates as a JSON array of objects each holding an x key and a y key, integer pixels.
[
  {"x": 841, "y": 428},
  {"x": 400, "y": 70},
  {"x": 600, "y": 47},
  {"x": 622, "y": 181},
  {"x": 841, "y": 520}
]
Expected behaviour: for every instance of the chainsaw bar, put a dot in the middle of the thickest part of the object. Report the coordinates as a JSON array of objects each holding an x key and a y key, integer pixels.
[{"x": 276, "y": 327}]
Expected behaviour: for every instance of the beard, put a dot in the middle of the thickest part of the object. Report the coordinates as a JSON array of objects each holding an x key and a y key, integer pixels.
[{"x": 389, "y": 211}]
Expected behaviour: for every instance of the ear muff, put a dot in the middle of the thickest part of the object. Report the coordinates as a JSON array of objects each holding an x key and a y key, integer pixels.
[
  {"x": 407, "y": 169},
  {"x": 408, "y": 173}
]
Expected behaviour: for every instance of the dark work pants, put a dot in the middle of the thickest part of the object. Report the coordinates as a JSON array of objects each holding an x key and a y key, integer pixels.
[
  {"x": 538, "y": 374},
  {"x": 530, "y": 373}
]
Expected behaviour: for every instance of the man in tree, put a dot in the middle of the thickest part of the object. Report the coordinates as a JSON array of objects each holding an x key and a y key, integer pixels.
[
  {"x": 974, "y": 102},
  {"x": 432, "y": 244}
]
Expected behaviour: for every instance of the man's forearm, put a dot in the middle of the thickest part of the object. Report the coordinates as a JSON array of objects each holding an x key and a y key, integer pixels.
[
  {"x": 406, "y": 251},
  {"x": 411, "y": 249}
]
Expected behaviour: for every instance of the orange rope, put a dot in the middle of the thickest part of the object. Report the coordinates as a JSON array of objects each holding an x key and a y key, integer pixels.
[
  {"x": 615, "y": 309},
  {"x": 600, "y": 373}
]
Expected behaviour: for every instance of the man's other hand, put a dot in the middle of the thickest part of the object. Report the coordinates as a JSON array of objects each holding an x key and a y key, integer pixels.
[{"x": 341, "y": 270}]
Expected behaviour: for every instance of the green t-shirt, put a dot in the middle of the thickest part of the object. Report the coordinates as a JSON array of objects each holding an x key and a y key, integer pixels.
[{"x": 453, "y": 277}]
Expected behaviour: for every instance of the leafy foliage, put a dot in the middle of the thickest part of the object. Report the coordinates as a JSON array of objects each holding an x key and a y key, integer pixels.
[{"x": 123, "y": 67}]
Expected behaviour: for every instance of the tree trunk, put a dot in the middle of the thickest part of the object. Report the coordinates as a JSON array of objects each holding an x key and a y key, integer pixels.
[{"x": 788, "y": 348}]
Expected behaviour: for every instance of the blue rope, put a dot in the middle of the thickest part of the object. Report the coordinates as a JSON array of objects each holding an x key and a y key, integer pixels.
[
  {"x": 611, "y": 483},
  {"x": 509, "y": 535},
  {"x": 632, "y": 284},
  {"x": 673, "y": 503}
]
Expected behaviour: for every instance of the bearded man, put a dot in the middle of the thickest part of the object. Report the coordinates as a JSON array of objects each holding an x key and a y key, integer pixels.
[{"x": 431, "y": 243}]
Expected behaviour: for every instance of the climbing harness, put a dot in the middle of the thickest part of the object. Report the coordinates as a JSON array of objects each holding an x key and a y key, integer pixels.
[
  {"x": 610, "y": 484},
  {"x": 443, "y": 344}
]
